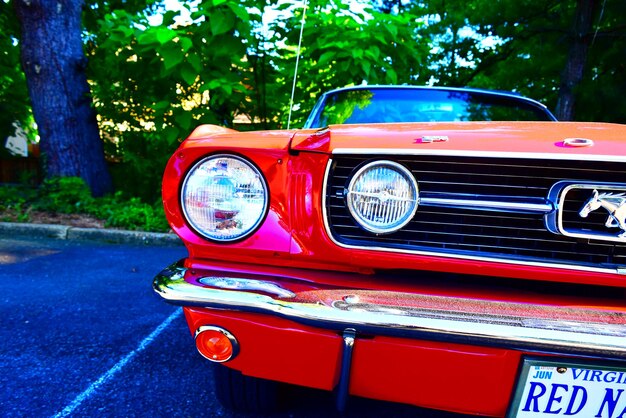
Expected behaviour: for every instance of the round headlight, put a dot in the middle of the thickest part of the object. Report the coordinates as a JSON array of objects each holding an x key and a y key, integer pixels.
[
  {"x": 224, "y": 197},
  {"x": 382, "y": 197}
]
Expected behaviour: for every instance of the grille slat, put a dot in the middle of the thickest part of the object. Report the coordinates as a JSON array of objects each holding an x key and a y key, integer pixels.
[
  {"x": 519, "y": 249},
  {"x": 434, "y": 184},
  {"x": 438, "y": 225},
  {"x": 479, "y": 233}
]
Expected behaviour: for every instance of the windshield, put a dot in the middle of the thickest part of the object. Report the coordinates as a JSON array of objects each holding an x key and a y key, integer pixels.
[{"x": 423, "y": 105}]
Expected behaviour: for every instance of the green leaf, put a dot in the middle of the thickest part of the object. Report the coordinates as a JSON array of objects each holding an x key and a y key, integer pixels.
[
  {"x": 380, "y": 38},
  {"x": 164, "y": 35},
  {"x": 366, "y": 66},
  {"x": 147, "y": 37},
  {"x": 169, "y": 17},
  {"x": 184, "y": 120},
  {"x": 326, "y": 58},
  {"x": 221, "y": 23},
  {"x": 240, "y": 11},
  {"x": 185, "y": 44},
  {"x": 197, "y": 14},
  {"x": 121, "y": 33},
  {"x": 374, "y": 52},
  {"x": 392, "y": 29},
  {"x": 212, "y": 84},
  {"x": 162, "y": 105},
  {"x": 195, "y": 62},
  {"x": 172, "y": 56},
  {"x": 188, "y": 74},
  {"x": 171, "y": 134}
]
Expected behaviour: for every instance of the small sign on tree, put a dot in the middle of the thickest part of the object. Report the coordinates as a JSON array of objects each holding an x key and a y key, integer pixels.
[{"x": 18, "y": 143}]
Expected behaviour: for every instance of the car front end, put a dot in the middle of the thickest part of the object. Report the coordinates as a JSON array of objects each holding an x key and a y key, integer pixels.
[{"x": 461, "y": 266}]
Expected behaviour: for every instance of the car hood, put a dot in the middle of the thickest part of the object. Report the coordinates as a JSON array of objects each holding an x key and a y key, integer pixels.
[{"x": 563, "y": 139}]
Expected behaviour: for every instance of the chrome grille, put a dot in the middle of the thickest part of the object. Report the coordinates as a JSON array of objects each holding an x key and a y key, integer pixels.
[{"x": 498, "y": 235}]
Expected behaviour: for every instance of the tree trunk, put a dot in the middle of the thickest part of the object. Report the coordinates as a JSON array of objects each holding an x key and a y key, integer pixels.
[
  {"x": 54, "y": 63},
  {"x": 576, "y": 59}
]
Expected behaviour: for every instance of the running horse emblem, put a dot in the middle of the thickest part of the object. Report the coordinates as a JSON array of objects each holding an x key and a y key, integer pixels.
[{"x": 613, "y": 203}]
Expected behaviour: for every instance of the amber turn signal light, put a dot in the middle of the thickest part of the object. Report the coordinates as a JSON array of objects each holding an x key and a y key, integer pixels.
[{"x": 216, "y": 344}]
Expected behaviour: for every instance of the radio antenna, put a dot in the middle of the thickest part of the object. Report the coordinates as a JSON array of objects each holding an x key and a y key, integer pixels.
[{"x": 295, "y": 74}]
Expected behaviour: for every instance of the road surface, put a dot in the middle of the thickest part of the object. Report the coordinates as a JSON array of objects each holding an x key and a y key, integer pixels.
[{"x": 82, "y": 334}]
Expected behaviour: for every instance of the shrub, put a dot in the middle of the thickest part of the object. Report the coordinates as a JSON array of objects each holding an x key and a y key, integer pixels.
[
  {"x": 63, "y": 195},
  {"x": 136, "y": 215},
  {"x": 11, "y": 196},
  {"x": 71, "y": 195}
]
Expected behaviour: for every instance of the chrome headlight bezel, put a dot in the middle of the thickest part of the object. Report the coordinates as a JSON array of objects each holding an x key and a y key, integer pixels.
[
  {"x": 407, "y": 213},
  {"x": 261, "y": 212}
]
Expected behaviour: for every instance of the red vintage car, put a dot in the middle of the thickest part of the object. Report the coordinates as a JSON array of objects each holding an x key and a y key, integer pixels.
[{"x": 455, "y": 249}]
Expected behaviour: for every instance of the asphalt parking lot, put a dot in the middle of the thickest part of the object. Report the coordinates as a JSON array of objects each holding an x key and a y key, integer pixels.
[{"x": 83, "y": 335}]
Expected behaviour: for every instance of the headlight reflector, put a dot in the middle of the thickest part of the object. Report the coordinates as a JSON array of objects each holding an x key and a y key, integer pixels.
[
  {"x": 382, "y": 197},
  {"x": 224, "y": 197}
]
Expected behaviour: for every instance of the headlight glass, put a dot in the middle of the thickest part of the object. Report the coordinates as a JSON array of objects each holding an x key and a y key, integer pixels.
[
  {"x": 382, "y": 196},
  {"x": 224, "y": 197}
]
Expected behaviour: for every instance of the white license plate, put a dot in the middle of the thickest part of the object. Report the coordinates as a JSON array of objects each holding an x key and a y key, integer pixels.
[{"x": 569, "y": 389}]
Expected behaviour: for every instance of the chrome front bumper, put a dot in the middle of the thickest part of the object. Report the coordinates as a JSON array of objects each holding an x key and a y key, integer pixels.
[{"x": 528, "y": 327}]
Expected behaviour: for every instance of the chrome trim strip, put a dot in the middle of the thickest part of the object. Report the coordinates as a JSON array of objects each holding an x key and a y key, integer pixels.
[
  {"x": 619, "y": 270},
  {"x": 473, "y": 153},
  {"x": 488, "y": 205},
  {"x": 237, "y": 283},
  {"x": 566, "y": 337}
]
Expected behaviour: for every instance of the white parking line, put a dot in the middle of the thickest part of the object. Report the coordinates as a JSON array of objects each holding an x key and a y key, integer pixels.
[{"x": 86, "y": 394}]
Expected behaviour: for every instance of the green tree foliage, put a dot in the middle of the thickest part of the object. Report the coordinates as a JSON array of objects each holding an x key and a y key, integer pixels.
[
  {"x": 14, "y": 102},
  {"x": 155, "y": 76},
  {"x": 525, "y": 46},
  {"x": 343, "y": 47},
  {"x": 601, "y": 93},
  {"x": 154, "y": 83},
  {"x": 507, "y": 48}
]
